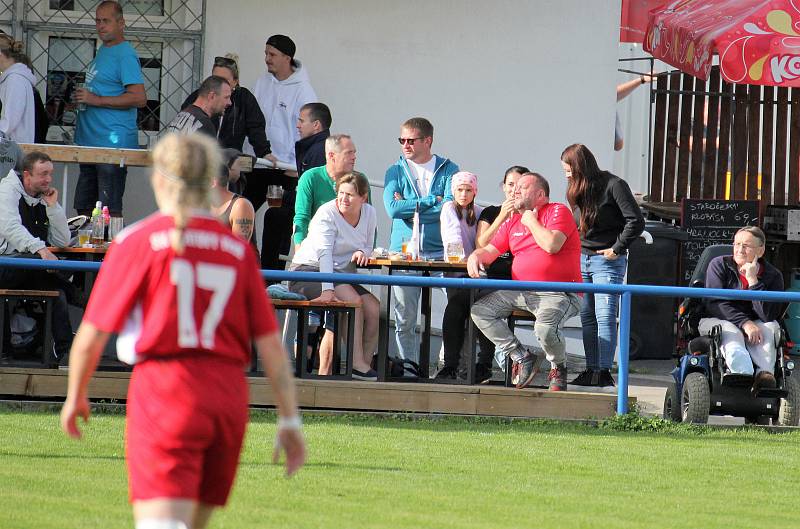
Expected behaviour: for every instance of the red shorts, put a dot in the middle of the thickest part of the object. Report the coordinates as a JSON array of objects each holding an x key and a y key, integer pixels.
[{"x": 186, "y": 422}]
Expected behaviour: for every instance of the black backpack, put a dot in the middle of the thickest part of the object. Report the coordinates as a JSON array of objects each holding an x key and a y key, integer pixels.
[{"x": 41, "y": 118}]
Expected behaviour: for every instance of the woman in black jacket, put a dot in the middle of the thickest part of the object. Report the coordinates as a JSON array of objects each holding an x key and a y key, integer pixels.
[
  {"x": 243, "y": 119},
  {"x": 610, "y": 220}
]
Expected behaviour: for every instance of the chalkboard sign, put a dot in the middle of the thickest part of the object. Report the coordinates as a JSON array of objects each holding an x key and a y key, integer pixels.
[{"x": 708, "y": 222}]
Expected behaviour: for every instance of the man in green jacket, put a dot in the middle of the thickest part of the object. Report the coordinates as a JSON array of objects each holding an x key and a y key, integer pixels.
[{"x": 318, "y": 185}]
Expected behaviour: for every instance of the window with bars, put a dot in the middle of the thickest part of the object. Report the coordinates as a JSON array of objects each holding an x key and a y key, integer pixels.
[{"x": 61, "y": 40}]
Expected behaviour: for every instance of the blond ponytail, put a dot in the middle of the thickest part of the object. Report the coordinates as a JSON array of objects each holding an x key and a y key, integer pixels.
[{"x": 187, "y": 164}]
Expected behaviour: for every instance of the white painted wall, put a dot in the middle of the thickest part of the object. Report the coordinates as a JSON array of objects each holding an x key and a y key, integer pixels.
[{"x": 508, "y": 82}]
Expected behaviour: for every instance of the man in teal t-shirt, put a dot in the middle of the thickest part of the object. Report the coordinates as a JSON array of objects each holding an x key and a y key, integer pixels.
[{"x": 114, "y": 90}]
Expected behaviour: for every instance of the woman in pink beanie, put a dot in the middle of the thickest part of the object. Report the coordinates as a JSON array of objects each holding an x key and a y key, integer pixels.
[{"x": 459, "y": 224}]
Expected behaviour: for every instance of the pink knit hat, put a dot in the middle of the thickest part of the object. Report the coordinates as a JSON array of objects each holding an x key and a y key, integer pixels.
[{"x": 464, "y": 177}]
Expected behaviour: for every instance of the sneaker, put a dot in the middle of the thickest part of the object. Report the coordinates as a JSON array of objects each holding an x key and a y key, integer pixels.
[
  {"x": 446, "y": 374},
  {"x": 483, "y": 374},
  {"x": 604, "y": 379},
  {"x": 369, "y": 376},
  {"x": 527, "y": 368},
  {"x": 557, "y": 378},
  {"x": 585, "y": 378}
]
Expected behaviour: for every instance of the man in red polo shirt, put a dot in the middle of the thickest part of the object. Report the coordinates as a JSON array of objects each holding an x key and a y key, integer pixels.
[{"x": 546, "y": 247}]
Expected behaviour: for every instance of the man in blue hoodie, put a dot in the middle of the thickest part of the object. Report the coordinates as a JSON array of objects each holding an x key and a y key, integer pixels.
[{"x": 419, "y": 181}]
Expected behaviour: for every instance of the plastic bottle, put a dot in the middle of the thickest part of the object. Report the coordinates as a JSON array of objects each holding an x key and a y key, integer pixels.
[
  {"x": 106, "y": 222},
  {"x": 97, "y": 225},
  {"x": 98, "y": 209}
]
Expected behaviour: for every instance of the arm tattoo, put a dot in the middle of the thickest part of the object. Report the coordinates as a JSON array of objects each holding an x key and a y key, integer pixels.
[{"x": 244, "y": 227}]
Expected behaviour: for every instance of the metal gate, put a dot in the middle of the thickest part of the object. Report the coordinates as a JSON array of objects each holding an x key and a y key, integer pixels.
[{"x": 60, "y": 39}]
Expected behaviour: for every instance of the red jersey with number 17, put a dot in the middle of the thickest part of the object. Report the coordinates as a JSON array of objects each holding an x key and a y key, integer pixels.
[{"x": 209, "y": 300}]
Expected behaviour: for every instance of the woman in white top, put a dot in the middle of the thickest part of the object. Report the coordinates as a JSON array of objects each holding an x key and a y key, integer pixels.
[
  {"x": 459, "y": 225},
  {"x": 340, "y": 237},
  {"x": 17, "y": 117}
]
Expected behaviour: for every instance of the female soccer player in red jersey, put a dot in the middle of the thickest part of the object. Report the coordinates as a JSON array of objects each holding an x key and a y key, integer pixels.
[{"x": 186, "y": 298}]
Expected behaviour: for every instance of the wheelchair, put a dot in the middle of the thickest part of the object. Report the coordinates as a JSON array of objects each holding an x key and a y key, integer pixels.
[{"x": 702, "y": 385}]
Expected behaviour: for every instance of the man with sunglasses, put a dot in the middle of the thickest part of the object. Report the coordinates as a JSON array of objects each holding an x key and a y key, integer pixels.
[{"x": 418, "y": 182}]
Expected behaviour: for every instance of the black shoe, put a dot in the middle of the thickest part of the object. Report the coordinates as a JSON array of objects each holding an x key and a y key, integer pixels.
[
  {"x": 764, "y": 380},
  {"x": 446, "y": 374},
  {"x": 587, "y": 377},
  {"x": 369, "y": 376},
  {"x": 604, "y": 379}
]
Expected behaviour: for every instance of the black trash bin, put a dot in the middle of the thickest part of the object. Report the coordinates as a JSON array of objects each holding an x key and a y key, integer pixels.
[{"x": 653, "y": 319}]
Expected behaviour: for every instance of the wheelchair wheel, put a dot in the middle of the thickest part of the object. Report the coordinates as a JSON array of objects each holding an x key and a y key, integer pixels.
[
  {"x": 672, "y": 404},
  {"x": 789, "y": 412},
  {"x": 695, "y": 399}
]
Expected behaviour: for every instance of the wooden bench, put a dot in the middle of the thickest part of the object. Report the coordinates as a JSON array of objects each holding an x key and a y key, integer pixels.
[
  {"x": 303, "y": 308},
  {"x": 46, "y": 297}
]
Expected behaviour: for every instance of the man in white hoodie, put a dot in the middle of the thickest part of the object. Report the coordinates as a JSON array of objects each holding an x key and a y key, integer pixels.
[
  {"x": 280, "y": 92},
  {"x": 31, "y": 219}
]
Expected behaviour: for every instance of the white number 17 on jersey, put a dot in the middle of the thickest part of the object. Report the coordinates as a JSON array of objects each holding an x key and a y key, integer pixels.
[{"x": 219, "y": 279}]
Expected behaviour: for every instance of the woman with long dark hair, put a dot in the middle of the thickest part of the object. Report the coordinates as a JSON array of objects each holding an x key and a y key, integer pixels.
[{"x": 609, "y": 222}]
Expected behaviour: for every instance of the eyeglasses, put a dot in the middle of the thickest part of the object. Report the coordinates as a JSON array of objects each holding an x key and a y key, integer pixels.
[
  {"x": 224, "y": 61},
  {"x": 409, "y": 141}
]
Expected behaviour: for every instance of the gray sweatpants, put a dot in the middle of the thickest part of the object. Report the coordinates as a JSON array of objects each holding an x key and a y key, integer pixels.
[{"x": 551, "y": 309}]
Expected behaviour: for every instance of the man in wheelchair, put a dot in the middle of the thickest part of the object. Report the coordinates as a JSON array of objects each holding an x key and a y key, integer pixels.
[
  {"x": 749, "y": 329},
  {"x": 737, "y": 360}
]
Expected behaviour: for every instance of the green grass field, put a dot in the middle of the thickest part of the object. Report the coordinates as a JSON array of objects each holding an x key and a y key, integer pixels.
[{"x": 376, "y": 472}]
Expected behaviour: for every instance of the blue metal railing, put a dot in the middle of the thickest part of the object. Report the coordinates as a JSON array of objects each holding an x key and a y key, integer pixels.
[{"x": 626, "y": 292}]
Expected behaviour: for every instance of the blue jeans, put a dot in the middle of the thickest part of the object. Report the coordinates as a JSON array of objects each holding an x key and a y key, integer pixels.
[
  {"x": 599, "y": 311},
  {"x": 406, "y": 310},
  {"x": 104, "y": 182}
]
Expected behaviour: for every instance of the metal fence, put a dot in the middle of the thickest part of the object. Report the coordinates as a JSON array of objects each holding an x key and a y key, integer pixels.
[
  {"x": 60, "y": 39},
  {"x": 626, "y": 293}
]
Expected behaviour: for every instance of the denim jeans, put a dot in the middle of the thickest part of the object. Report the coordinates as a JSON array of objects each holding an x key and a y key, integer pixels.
[
  {"x": 599, "y": 311},
  {"x": 104, "y": 182},
  {"x": 552, "y": 310},
  {"x": 406, "y": 309}
]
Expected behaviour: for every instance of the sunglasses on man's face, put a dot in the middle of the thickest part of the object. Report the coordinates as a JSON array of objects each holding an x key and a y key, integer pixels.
[{"x": 409, "y": 141}]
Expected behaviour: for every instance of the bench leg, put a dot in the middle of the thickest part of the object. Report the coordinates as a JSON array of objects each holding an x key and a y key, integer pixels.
[
  {"x": 302, "y": 344},
  {"x": 351, "y": 323},
  {"x": 48, "y": 358},
  {"x": 337, "y": 344}
]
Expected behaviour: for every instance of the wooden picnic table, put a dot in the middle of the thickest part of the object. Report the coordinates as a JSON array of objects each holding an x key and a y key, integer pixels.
[{"x": 388, "y": 267}]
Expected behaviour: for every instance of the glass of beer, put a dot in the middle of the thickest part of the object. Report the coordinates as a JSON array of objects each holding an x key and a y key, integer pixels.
[
  {"x": 98, "y": 232},
  {"x": 454, "y": 252},
  {"x": 84, "y": 236},
  {"x": 274, "y": 196}
]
